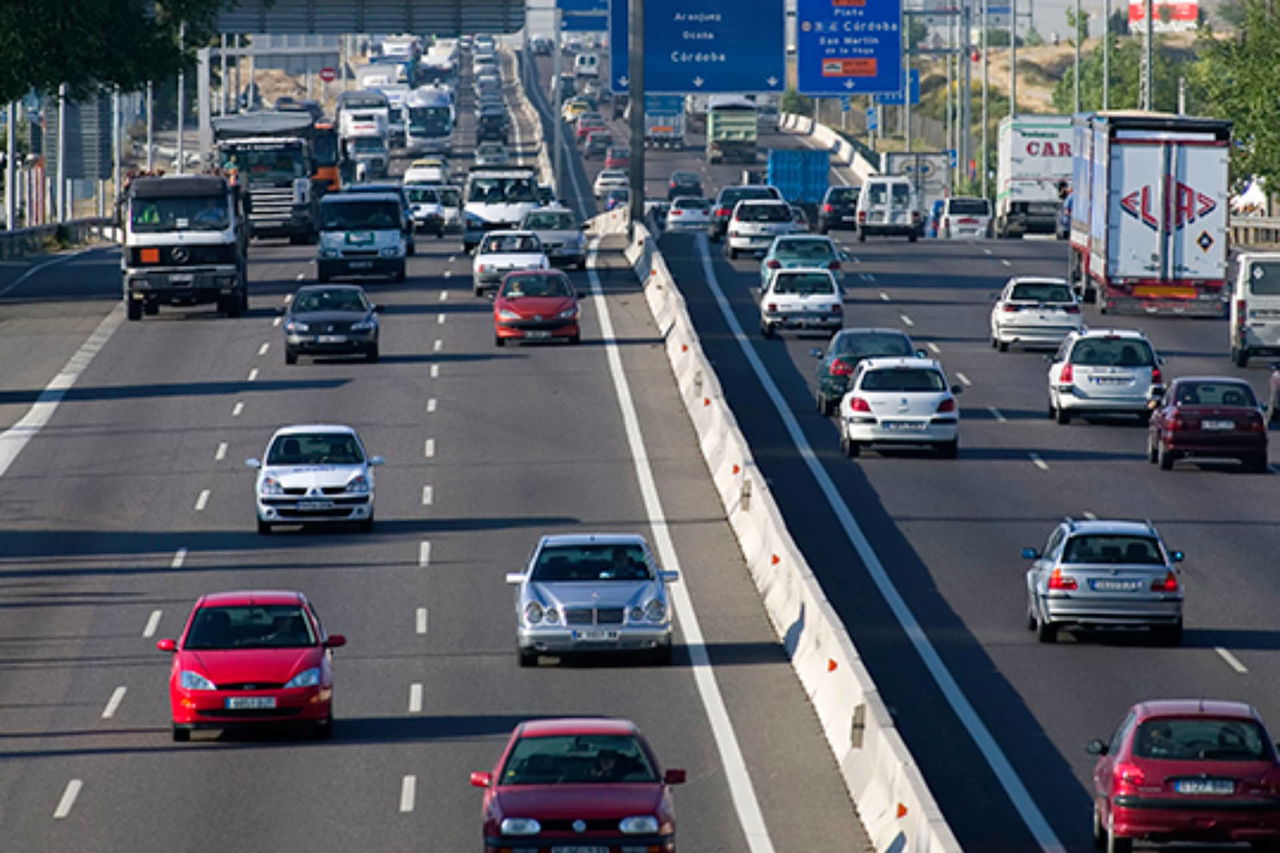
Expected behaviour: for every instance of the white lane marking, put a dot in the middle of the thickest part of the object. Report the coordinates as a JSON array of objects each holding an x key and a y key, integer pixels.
[
  {"x": 180, "y": 555},
  {"x": 221, "y": 452},
  {"x": 275, "y": 321},
  {"x": 884, "y": 297},
  {"x": 420, "y": 620},
  {"x": 428, "y": 495},
  {"x": 415, "y": 698},
  {"x": 1038, "y": 462},
  {"x": 995, "y": 413},
  {"x": 437, "y": 346},
  {"x": 40, "y": 266},
  {"x": 440, "y": 319},
  {"x": 868, "y": 277},
  {"x": 911, "y": 627},
  {"x": 424, "y": 554},
  {"x": 431, "y": 405},
  {"x": 964, "y": 380},
  {"x": 153, "y": 622},
  {"x": 68, "y": 799},
  {"x": 429, "y": 448},
  {"x": 1089, "y": 515},
  {"x": 1006, "y": 262},
  {"x": 448, "y": 273},
  {"x": 113, "y": 704},
  {"x": 906, "y": 321},
  {"x": 1232, "y": 660},
  {"x": 262, "y": 350},
  {"x": 16, "y": 437},
  {"x": 444, "y": 295},
  {"x": 253, "y": 374},
  {"x": 741, "y": 788},
  {"x": 435, "y": 371},
  {"x": 237, "y": 409},
  {"x": 408, "y": 788},
  {"x": 934, "y": 348},
  {"x": 202, "y": 500}
]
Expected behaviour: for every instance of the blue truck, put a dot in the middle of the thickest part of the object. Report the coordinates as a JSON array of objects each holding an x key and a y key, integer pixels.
[
  {"x": 664, "y": 121},
  {"x": 800, "y": 175}
]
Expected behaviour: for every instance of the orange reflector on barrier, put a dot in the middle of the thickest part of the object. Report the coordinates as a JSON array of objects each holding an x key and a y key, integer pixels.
[
  {"x": 902, "y": 810},
  {"x": 736, "y": 468},
  {"x": 706, "y": 401},
  {"x": 774, "y": 560},
  {"x": 831, "y": 665}
]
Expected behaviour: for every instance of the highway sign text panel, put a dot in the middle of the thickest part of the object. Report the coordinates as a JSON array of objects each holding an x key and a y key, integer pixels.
[{"x": 849, "y": 47}]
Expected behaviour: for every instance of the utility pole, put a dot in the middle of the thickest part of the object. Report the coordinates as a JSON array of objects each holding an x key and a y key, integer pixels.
[
  {"x": 557, "y": 153},
  {"x": 115, "y": 145},
  {"x": 151, "y": 127},
  {"x": 182, "y": 91},
  {"x": 986, "y": 82},
  {"x": 1077, "y": 38},
  {"x": 204, "y": 100},
  {"x": 635, "y": 73},
  {"x": 222, "y": 78},
  {"x": 966, "y": 106},
  {"x": 1148, "y": 54},
  {"x": 1106, "y": 54},
  {"x": 906, "y": 76},
  {"x": 10, "y": 152},
  {"x": 60, "y": 191},
  {"x": 1013, "y": 57}
]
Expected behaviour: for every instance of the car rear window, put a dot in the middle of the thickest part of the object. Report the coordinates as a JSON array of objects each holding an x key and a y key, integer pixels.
[
  {"x": 1040, "y": 292},
  {"x": 808, "y": 250},
  {"x": 1214, "y": 394},
  {"x": 1201, "y": 739},
  {"x": 803, "y": 283},
  {"x": 1112, "y": 548},
  {"x": 764, "y": 213},
  {"x": 871, "y": 345},
  {"x": 1264, "y": 278},
  {"x": 591, "y": 563},
  {"x": 1112, "y": 352},
  {"x": 903, "y": 379},
  {"x": 732, "y": 195},
  {"x": 510, "y": 243},
  {"x": 692, "y": 204},
  {"x": 879, "y": 193},
  {"x": 577, "y": 759},
  {"x": 969, "y": 207},
  {"x": 549, "y": 221},
  {"x": 842, "y": 195}
]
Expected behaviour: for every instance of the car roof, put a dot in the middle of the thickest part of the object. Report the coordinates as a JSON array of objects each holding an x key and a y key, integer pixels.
[
  {"x": 900, "y": 361},
  {"x": 300, "y": 429},
  {"x": 1234, "y": 380},
  {"x": 1194, "y": 708},
  {"x": 1111, "y": 525},
  {"x": 510, "y": 232},
  {"x": 591, "y": 539},
  {"x": 350, "y": 196},
  {"x": 803, "y": 271},
  {"x": 807, "y": 238},
  {"x": 871, "y": 330},
  {"x": 747, "y": 202},
  {"x": 309, "y": 287},
  {"x": 551, "y": 208},
  {"x": 250, "y": 596},
  {"x": 576, "y": 726},
  {"x": 1036, "y": 279},
  {"x": 1134, "y": 334},
  {"x": 753, "y": 187}
]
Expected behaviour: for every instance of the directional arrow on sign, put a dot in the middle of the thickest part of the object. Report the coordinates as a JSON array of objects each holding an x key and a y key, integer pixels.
[
  {"x": 848, "y": 84},
  {"x": 772, "y": 81},
  {"x": 698, "y": 81},
  {"x": 624, "y": 81}
]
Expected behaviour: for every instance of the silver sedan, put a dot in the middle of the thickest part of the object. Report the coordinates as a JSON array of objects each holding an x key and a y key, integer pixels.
[{"x": 592, "y": 593}]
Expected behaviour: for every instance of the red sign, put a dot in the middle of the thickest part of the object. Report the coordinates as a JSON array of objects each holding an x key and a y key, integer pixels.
[
  {"x": 328, "y": 75},
  {"x": 861, "y": 67},
  {"x": 1183, "y": 206}
]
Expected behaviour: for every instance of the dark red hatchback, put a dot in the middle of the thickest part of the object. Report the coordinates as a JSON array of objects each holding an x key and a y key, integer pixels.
[
  {"x": 1195, "y": 770},
  {"x": 586, "y": 785},
  {"x": 1208, "y": 417}
]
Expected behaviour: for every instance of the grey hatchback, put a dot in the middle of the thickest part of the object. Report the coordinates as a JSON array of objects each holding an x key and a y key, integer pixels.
[
  {"x": 1100, "y": 573},
  {"x": 848, "y": 347},
  {"x": 330, "y": 319}
]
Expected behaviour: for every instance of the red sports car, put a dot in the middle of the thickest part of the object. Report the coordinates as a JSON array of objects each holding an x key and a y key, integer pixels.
[
  {"x": 589, "y": 784},
  {"x": 1196, "y": 770},
  {"x": 1208, "y": 417},
  {"x": 252, "y": 658},
  {"x": 536, "y": 305}
]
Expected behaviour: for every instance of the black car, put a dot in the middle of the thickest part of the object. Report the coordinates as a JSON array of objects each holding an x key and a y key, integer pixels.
[
  {"x": 684, "y": 184},
  {"x": 848, "y": 347},
  {"x": 394, "y": 189},
  {"x": 330, "y": 319},
  {"x": 491, "y": 127},
  {"x": 839, "y": 209}
]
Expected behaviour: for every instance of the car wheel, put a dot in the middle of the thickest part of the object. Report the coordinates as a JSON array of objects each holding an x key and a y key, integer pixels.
[
  {"x": 264, "y": 527},
  {"x": 290, "y": 356},
  {"x": 365, "y": 525},
  {"x": 820, "y": 402},
  {"x": 1003, "y": 346},
  {"x": 133, "y": 309},
  {"x": 1063, "y": 416},
  {"x": 1046, "y": 631},
  {"x": 400, "y": 273},
  {"x": 1164, "y": 458},
  {"x": 1171, "y": 635},
  {"x": 1240, "y": 356},
  {"x": 1257, "y": 463},
  {"x": 478, "y": 290},
  {"x": 499, "y": 341},
  {"x": 1153, "y": 443},
  {"x": 1031, "y": 616},
  {"x": 181, "y": 735},
  {"x": 766, "y": 331},
  {"x": 733, "y": 254},
  {"x": 862, "y": 236},
  {"x": 1115, "y": 844},
  {"x": 574, "y": 340},
  {"x": 661, "y": 656},
  {"x": 412, "y": 249},
  {"x": 527, "y": 657},
  {"x": 949, "y": 449},
  {"x": 1272, "y": 415},
  {"x": 372, "y": 353},
  {"x": 235, "y": 305},
  {"x": 1099, "y": 834},
  {"x": 323, "y": 730},
  {"x": 849, "y": 447}
]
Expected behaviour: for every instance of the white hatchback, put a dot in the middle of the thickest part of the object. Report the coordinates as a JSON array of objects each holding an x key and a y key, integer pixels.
[
  {"x": 805, "y": 299},
  {"x": 689, "y": 213},
  {"x": 610, "y": 179},
  {"x": 500, "y": 252},
  {"x": 1104, "y": 372},
  {"x": 1034, "y": 312},
  {"x": 903, "y": 401},
  {"x": 754, "y": 224},
  {"x": 314, "y": 473},
  {"x": 965, "y": 216}
]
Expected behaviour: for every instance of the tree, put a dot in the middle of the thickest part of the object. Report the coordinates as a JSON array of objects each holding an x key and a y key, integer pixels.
[
  {"x": 95, "y": 44},
  {"x": 1126, "y": 84},
  {"x": 1080, "y": 28}
]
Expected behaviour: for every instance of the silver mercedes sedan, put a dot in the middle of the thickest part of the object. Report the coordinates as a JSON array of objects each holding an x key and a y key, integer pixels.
[{"x": 596, "y": 592}]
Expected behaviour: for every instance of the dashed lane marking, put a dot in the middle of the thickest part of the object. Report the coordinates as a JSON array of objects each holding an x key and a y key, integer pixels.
[
  {"x": 995, "y": 413},
  {"x": 1038, "y": 462},
  {"x": 429, "y": 448},
  {"x": 431, "y": 405},
  {"x": 435, "y": 371},
  {"x": 420, "y": 620},
  {"x": 202, "y": 500},
  {"x": 262, "y": 350},
  {"x": 884, "y": 297},
  {"x": 440, "y": 319},
  {"x": 444, "y": 295},
  {"x": 934, "y": 348},
  {"x": 1232, "y": 660},
  {"x": 153, "y": 622},
  {"x": 424, "y": 554},
  {"x": 408, "y": 790},
  {"x": 237, "y": 409},
  {"x": 253, "y": 375},
  {"x": 113, "y": 704},
  {"x": 221, "y": 452},
  {"x": 964, "y": 380},
  {"x": 415, "y": 698},
  {"x": 68, "y": 799},
  {"x": 906, "y": 321},
  {"x": 179, "y": 557},
  {"x": 437, "y": 346}
]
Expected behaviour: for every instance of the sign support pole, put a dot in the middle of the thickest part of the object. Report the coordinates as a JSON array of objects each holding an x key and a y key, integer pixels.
[
  {"x": 11, "y": 151},
  {"x": 1013, "y": 57},
  {"x": 151, "y": 127},
  {"x": 1106, "y": 54},
  {"x": 966, "y": 106},
  {"x": 986, "y": 82},
  {"x": 557, "y": 99},
  {"x": 635, "y": 88},
  {"x": 906, "y": 75}
]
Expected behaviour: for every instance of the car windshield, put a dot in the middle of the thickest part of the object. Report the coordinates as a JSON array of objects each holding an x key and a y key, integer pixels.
[
  {"x": 1214, "y": 394},
  {"x": 369, "y": 145},
  {"x": 450, "y": 196},
  {"x": 1264, "y": 278},
  {"x": 1113, "y": 352},
  {"x": 265, "y": 164},
  {"x": 1041, "y": 292},
  {"x": 324, "y": 448},
  {"x": 591, "y": 563},
  {"x": 871, "y": 345},
  {"x": 510, "y": 243},
  {"x": 208, "y": 213},
  {"x": 969, "y": 207},
  {"x": 576, "y": 760},
  {"x": 328, "y": 299},
  {"x": 515, "y": 286},
  {"x": 1112, "y": 548},
  {"x": 804, "y": 250},
  {"x": 355, "y": 216},
  {"x": 256, "y": 626},
  {"x": 803, "y": 283},
  {"x": 1201, "y": 739},
  {"x": 421, "y": 195},
  {"x": 904, "y": 379},
  {"x": 550, "y": 221},
  {"x": 490, "y": 190},
  {"x": 764, "y": 213}
]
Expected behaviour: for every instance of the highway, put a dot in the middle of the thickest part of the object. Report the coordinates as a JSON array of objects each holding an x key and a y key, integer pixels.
[
  {"x": 132, "y": 500},
  {"x": 949, "y": 533}
]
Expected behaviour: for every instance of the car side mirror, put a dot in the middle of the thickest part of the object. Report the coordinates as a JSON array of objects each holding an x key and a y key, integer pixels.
[
  {"x": 1160, "y": 360},
  {"x": 167, "y": 645},
  {"x": 515, "y": 578},
  {"x": 335, "y": 641},
  {"x": 253, "y": 463},
  {"x": 375, "y": 461},
  {"x": 673, "y": 777},
  {"x": 957, "y": 389},
  {"x": 1030, "y": 554},
  {"x": 480, "y": 779},
  {"x": 1097, "y": 747},
  {"x": 815, "y": 352},
  {"x": 1177, "y": 556},
  {"x": 669, "y": 576}
]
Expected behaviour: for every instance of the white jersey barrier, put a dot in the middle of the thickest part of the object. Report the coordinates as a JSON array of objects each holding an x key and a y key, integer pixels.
[{"x": 822, "y": 136}]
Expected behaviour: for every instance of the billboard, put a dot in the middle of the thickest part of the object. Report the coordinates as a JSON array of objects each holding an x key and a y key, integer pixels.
[{"x": 1171, "y": 16}]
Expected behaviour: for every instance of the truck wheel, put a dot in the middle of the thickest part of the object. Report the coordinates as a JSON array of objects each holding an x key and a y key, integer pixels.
[
  {"x": 133, "y": 309},
  {"x": 862, "y": 236},
  {"x": 151, "y": 308},
  {"x": 400, "y": 273},
  {"x": 1241, "y": 356},
  {"x": 235, "y": 305},
  {"x": 290, "y": 355}
]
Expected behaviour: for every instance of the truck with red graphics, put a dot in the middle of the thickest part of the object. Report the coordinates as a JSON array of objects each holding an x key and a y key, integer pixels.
[
  {"x": 1149, "y": 213},
  {"x": 1033, "y": 164}
]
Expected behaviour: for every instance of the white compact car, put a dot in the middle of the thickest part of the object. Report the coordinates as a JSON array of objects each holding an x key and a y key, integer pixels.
[
  {"x": 965, "y": 216},
  {"x": 492, "y": 154},
  {"x": 428, "y": 170},
  {"x": 1034, "y": 312},
  {"x": 500, "y": 252},
  {"x": 314, "y": 473},
  {"x": 610, "y": 179},
  {"x": 561, "y": 234},
  {"x": 1104, "y": 372},
  {"x": 807, "y": 299},
  {"x": 903, "y": 401},
  {"x": 754, "y": 224},
  {"x": 689, "y": 213}
]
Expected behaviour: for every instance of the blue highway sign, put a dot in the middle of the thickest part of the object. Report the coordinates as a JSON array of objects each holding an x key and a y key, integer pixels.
[
  {"x": 601, "y": 6},
  {"x": 873, "y": 120},
  {"x": 584, "y": 23},
  {"x": 896, "y": 97},
  {"x": 849, "y": 47}
]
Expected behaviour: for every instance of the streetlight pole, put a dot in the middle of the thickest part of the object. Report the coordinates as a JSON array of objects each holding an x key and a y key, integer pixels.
[
  {"x": 1013, "y": 57},
  {"x": 1148, "y": 54},
  {"x": 557, "y": 134},
  {"x": 1077, "y": 38},
  {"x": 1106, "y": 54},
  {"x": 182, "y": 90}
]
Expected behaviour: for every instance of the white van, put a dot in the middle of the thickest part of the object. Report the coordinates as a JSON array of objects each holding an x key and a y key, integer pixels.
[
  {"x": 965, "y": 216},
  {"x": 361, "y": 234},
  {"x": 586, "y": 65},
  {"x": 1255, "y": 307},
  {"x": 888, "y": 205}
]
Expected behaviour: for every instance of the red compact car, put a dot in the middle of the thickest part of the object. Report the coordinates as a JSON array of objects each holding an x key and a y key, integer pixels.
[
  {"x": 536, "y": 305},
  {"x": 617, "y": 158},
  {"x": 252, "y": 659},
  {"x": 1209, "y": 417},
  {"x": 1195, "y": 770},
  {"x": 589, "y": 784}
]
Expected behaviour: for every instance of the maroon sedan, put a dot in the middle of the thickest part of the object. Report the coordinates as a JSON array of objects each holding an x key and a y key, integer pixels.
[
  {"x": 582, "y": 784},
  {"x": 533, "y": 305},
  {"x": 1208, "y": 417},
  {"x": 1197, "y": 770}
]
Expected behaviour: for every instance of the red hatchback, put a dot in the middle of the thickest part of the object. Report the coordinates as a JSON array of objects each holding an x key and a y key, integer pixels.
[
  {"x": 533, "y": 305},
  {"x": 1187, "y": 770},
  {"x": 588, "y": 784},
  {"x": 1208, "y": 417},
  {"x": 251, "y": 659},
  {"x": 617, "y": 158}
]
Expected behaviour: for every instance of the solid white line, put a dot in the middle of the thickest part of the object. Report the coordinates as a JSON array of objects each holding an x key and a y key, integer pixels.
[
  {"x": 16, "y": 437},
  {"x": 221, "y": 452},
  {"x": 179, "y": 557},
  {"x": 431, "y": 405},
  {"x": 437, "y": 346},
  {"x": 237, "y": 409},
  {"x": 68, "y": 799},
  {"x": 262, "y": 350},
  {"x": 428, "y": 495},
  {"x": 933, "y": 348},
  {"x": 906, "y": 321},
  {"x": 408, "y": 787},
  {"x": 1232, "y": 660},
  {"x": 964, "y": 380},
  {"x": 420, "y": 620},
  {"x": 741, "y": 788},
  {"x": 415, "y": 698},
  {"x": 1038, "y": 462},
  {"x": 40, "y": 266},
  {"x": 153, "y": 622},
  {"x": 444, "y": 295},
  {"x": 429, "y": 448},
  {"x": 912, "y": 629},
  {"x": 253, "y": 374},
  {"x": 435, "y": 371},
  {"x": 424, "y": 554},
  {"x": 995, "y": 413},
  {"x": 113, "y": 704},
  {"x": 440, "y": 319},
  {"x": 202, "y": 500}
]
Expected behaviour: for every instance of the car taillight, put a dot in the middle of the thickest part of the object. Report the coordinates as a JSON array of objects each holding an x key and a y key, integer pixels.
[
  {"x": 1242, "y": 311},
  {"x": 1010, "y": 307},
  {"x": 1068, "y": 374},
  {"x": 1180, "y": 423},
  {"x": 1129, "y": 775},
  {"x": 841, "y": 368},
  {"x": 837, "y": 308},
  {"x": 723, "y": 211},
  {"x": 826, "y": 208},
  {"x": 968, "y": 221},
  {"x": 1256, "y": 424},
  {"x": 773, "y": 265},
  {"x": 773, "y": 306},
  {"x": 862, "y": 216},
  {"x": 1072, "y": 309},
  {"x": 674, "y": 212},
  {"x": 1169, "y": 583},
  {"x": 834, "y": 265},
  {"x": 858, "y": 404},
  {"x": 1156, "y": 377},
  {"x": 947, "y": 405},
  {"x": 1058, "y": 580}
]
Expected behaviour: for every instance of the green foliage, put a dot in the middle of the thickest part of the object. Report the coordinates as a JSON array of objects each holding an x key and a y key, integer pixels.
[
  {"x": 1033, "y": 38},
  {"x": 794, "y": 102},
  {"x": 999, "y": 37},
  {"x": 1126, "y": 83},
  {"x": 1080, "y": 27},
  {"x": 1118, "y": 25},
  {"x": 96, "y": 44},
  {"x": 917, "y": 31}
]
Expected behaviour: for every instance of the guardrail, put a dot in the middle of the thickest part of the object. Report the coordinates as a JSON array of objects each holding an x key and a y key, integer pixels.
[
  {"x": 1254, "y": 231},
  {"x": 23, "y": 242}
]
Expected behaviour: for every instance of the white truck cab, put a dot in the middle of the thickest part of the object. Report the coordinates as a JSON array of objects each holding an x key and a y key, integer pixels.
[{"x": 1255, "y": 306}]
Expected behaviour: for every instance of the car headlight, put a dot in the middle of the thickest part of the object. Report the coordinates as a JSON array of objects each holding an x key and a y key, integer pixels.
[
  {"x": 389, "y": 251},
  {"x": 194, "y": 681},
  {"x": 568, "y": 313},
  {"x": 306, "y": 678},
  {"x": 655, "y": 610},
  {"x": 296, "y": 326},
  {"x": 508, "y": 314},
  {"x": 520, "y": 826},
  {"x": 329, "y": 253},
  {"x": 359, "y": 484},
  {"x": 639, "y": 825},
  {"x": 270, "y": 486},
  {"x": 551, "y": 615},
  {"x": 363, "y": 326},
  {"x": 533, "y": 613}
]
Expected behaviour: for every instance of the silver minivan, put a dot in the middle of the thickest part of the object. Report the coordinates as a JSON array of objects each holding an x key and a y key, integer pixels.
[
  {"x": 888, "y": 205},
  {"x": 1255, "y": 307}
]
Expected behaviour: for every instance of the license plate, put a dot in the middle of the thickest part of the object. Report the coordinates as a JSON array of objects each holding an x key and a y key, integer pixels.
[
  {"x": 310, "y": 505},
  {"x": 242, "y": 702},
  {"x": 903, "y": 426},
  {"x": 361, "y": 265},
  {"x": 1104, "y": 585},
  {"x": 1205, "y": 786},
  {"x": 1218, "y": 424},
  {"x": 596, "y": 634},
  {"x": 182, "y": 279},
  {"x": 331, "y": 339},
  {"x": 579, "y": 850},
  {"x": 537, "y": 334}
]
